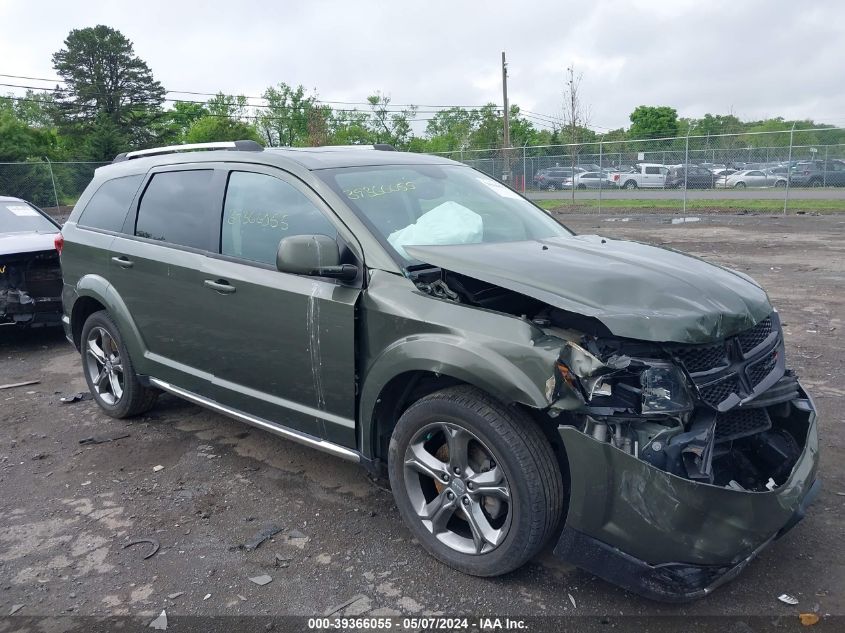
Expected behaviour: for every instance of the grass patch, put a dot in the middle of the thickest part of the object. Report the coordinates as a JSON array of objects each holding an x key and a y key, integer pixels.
[{"x": 822, "y": 206}]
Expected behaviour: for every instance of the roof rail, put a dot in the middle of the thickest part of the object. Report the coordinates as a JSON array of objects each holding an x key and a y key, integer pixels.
[{"x": 240, "y": 146}]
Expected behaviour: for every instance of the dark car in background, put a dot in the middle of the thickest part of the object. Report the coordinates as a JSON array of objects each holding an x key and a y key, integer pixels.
[
  {"x": 696, "y": 178},
  {"x": 30, "y": 277},
  {"x": 554, "y": 178},
  {"x": 818, "y": 174}
]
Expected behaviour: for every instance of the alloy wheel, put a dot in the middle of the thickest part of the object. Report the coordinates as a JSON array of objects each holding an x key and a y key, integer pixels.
[
  {"x": 103, "y": 363},
  {"x": 457, "y": 488}
]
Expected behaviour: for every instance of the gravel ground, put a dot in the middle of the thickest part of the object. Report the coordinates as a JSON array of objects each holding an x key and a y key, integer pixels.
[{"x": 68, "y": 509}]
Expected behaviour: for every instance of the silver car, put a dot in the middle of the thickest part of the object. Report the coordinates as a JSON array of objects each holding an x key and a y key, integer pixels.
[
  {"x": 755, "y": 178},
  {"x": 594, "y": 180}
]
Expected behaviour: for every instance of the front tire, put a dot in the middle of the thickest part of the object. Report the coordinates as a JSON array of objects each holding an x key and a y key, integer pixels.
[
  {"x": 475, "y": 481},
  {"x": 109, "y": 371}
]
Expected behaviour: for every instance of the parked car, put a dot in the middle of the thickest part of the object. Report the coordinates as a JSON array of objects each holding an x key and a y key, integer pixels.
[
  {"x": 697, "y": 178},
  {"x": 755, "y": 178},
  {"x": 643, "y": 175},
  {"x": 818, "y": 174},
  {"x": 30, "y": 278},
  {"x": 515, "y": 381},
  {"x": 593, "y": 180},
  {"x": 554, "y": 177}
]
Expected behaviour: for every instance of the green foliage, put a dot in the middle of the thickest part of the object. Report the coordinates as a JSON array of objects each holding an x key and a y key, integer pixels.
[
  {"x": 105, "y": 80},
  {"x": 285, "y": 120},
  {"x": 210, "y": 128},
  {"x": 653, "y": 122}
]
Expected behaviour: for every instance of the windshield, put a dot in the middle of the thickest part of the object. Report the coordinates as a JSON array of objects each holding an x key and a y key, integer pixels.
[
  {"x": 423, "y": 205},
  {"x": 17, "y": 216}
]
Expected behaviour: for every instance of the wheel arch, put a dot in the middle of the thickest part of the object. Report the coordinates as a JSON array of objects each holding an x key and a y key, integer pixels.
[
  {"x": 408, "y": 371},
  {"x": 94, "y": 293}
]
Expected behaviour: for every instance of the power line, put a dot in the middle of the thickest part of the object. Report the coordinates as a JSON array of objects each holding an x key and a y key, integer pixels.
[{"x": 214, "y": 94}]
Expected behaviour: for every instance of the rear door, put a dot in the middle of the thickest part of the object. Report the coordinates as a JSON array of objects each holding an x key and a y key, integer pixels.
[
  {"x": 284, "y": 344},
  {"x": 652, "y": 176},
  {"x": 156, "y": 269}
]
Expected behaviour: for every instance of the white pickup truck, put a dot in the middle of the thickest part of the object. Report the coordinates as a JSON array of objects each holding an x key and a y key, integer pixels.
[{"x": 645, "y": 175}]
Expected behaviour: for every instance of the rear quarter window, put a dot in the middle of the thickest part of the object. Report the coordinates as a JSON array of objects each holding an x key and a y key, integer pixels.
[{"x": 109, "y": 205}]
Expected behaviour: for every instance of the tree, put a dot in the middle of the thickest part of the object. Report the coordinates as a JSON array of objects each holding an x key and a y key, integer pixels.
[
  {"x": 575, "y": 117},
  {"x": 390, "y": 126},
  {"x": 106, "y": 82},
  {"x": 285, "y": 120},
  {"x": 653, "y": 122},
  {"x": 226, "y": 119},
  {"x": 176, "y": 121}
]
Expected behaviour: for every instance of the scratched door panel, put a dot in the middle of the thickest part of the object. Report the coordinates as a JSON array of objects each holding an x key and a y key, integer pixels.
[{"x": 284, "y": 348}]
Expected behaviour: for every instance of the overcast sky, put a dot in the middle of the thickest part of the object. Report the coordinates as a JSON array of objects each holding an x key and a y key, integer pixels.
[{"x": 752, "y": 58}]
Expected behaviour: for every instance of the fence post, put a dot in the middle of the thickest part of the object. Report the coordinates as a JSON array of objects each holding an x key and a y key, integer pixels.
[
  {"x": 825, "y": 165},
  {"x": 53, "y": 179},
  {"x": 601, "y": 173},
  {"x": 788, "y": 170},
  {"x": 524, "y": 184},
  {"x": 686, "y": 166}
]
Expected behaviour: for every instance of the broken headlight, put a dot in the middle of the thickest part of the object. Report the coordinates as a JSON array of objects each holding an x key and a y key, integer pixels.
[
  {"x": 664, "y": 390},
  {"x": 623, "y": 383}
]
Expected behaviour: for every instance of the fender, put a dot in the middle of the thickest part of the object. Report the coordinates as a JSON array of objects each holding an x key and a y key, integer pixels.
[
  {"x": 98, "y": 288},
  {"x": 463, "y": 359}
]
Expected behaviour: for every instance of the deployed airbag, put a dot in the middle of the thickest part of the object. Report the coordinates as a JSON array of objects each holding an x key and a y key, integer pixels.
[{"x": 448, "y": 223}]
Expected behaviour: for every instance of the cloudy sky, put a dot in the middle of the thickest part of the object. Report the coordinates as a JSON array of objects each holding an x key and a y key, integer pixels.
[{"x": 752, "y": 58}]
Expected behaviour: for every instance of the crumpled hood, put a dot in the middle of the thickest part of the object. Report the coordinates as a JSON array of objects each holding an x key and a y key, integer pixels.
[{"x": 637, "y": 291}]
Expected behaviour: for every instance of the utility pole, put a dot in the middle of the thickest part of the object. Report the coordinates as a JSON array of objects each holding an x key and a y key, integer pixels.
[{"x": 507, "y": 136}]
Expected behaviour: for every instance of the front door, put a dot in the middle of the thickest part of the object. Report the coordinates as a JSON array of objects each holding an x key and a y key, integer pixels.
[{"x": 284, "y": 344}]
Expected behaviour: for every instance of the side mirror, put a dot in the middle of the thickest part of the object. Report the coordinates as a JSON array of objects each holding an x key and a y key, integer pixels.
[{"x": 313, "y": 255}]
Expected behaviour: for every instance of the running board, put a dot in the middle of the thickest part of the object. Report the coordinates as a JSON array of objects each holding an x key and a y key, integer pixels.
[{"x": 275, "y": 429}]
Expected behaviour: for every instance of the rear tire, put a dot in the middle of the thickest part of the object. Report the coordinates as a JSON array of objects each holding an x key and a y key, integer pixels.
[
  {"x": 739, "y": 185},
  {"x": 447, "y": 448},
  {"x": 630, "y": 184},
  {"x": 109, "y": 371}
]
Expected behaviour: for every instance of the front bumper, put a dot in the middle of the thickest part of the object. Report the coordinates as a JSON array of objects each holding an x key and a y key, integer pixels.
[{"x": 665, "y": 537}]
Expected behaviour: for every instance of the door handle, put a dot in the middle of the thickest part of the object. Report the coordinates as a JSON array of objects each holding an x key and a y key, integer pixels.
[
  {"x": 222, "y": 286},
  {"x": 122, "y": 261}
]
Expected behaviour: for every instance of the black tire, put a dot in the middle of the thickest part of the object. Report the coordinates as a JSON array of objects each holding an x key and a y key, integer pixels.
[
  {"x": 532, "y": 476},
  {"x": 135, "y": 397},
  {"x": 630, "y": 184},
  {"x": 739, "y": 185},
  {"x": 582, "y": 186},
  {"x": 815, "y": 182},
  {"x": 551, "y": 187}
]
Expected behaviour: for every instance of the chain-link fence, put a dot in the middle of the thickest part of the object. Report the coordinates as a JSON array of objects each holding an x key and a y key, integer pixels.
[
  {"x": 767, "y": 165},
  {"x": 737, "y": 165},
  {"x": 49, "y": 185}
]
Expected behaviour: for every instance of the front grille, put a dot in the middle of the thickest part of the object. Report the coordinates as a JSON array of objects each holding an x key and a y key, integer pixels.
[
  {"x": 716, "y": 393},
  {"x": 741, "y": 423},
  {"x": 760, "y": 370},
  {"x": 750, "y": 339},
  {"x": 703, "y": 357}
]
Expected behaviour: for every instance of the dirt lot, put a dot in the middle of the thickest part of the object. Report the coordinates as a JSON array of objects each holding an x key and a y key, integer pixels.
[{"x": 68, "y": 509}]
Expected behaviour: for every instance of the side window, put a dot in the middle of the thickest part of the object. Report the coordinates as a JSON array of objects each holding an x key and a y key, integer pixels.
[
  {"x": 108, "y": 206},
  {"x": 652, "y": 170},
  {"x": 260, "y": 210},
  {"x": 175, "y": 208}
]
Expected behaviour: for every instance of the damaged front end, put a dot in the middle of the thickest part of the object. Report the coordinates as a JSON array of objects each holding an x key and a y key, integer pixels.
[
  {"x": 30, "y": 289},
  {"x": 690, "y": 445},
  {"x": 685, "y": 459}
]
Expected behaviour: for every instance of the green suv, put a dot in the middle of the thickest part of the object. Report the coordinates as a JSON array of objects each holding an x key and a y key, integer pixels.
[{"x": 518, "y": 383}]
